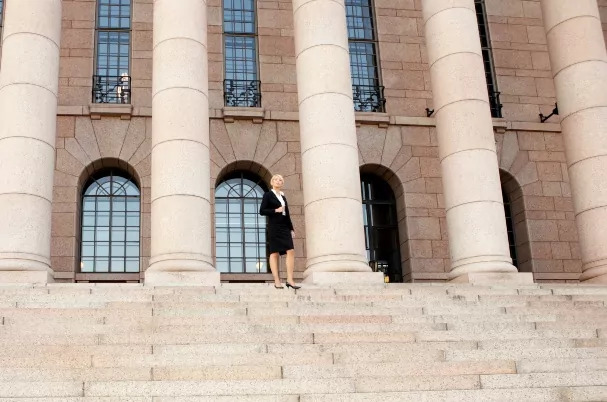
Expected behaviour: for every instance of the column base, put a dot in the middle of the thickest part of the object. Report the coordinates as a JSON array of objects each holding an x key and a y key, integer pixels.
[
  {"x": 495, "y": 278},
  {"x": 23, "y": 277},
  {"x": 182, "y": 278},
  {"x": 331, "y": 278}
]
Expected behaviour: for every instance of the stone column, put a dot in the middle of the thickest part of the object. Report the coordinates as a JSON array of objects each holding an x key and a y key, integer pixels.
[
  {"x": 332, "y": 200},
  {"x": 181, "y": 209},
  {"x": 579, "y": 67},
  {"x": 29, "y": 80},
  {"x": 476, "y": 223}
]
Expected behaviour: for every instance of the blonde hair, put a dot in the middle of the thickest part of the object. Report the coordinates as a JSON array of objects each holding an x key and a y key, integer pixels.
[{"x": 276, "y": 176}]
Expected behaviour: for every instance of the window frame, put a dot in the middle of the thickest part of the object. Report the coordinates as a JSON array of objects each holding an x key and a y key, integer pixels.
[
  {"x": 123, "y": 83},
  {"x": 371, "y": 181},
  {"x": 95, "y": 178},
  {"x": 256, "y": 84},
  {"x": 376, "y": 55},
  {"x": 488, "y": 60},
  {"x": 261, "y": 222}
]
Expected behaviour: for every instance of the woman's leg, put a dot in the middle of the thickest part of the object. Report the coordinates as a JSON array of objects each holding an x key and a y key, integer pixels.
[
  {"x": 274, "y": 267},
  {"x": 290, "y": 265}
]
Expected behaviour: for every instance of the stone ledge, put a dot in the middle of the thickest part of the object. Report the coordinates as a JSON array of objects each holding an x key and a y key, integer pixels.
[
  {"x": 381, "y": 119},
  {"x": 330, "y": 278},
  {"x": 257, "y": 114},
  {"x": 34, "y": 277},
  {"x": 495, "y": 278},
  {"x": 531, "y": 126},
  {"x": 96, "y": 110},
  {"x": 413, "y": 121},
  {"x": 182, "y": 278}
]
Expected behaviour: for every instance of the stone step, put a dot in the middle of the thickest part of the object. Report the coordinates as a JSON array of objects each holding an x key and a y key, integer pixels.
[
  {"x": 20, "y": 389},
  {"x": 544, "y": 380},
  {"x": 561, "y": 365},
  {"x": 403, "y": 368},
  {"x": 485, "y": 395},
  {"x": 35, "y": 375},
  {"x": 232, "y": 328},
  {"x": 204, "y": 388},
  {"x": 518, "y": 354},
  {"x": 196, "y": 338},
  {"x": 484, "y": 335},
  {"x": 202, "y": 360}
]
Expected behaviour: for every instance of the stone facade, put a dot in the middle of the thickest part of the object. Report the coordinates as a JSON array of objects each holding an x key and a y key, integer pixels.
[{"x": 400, "y": 145}]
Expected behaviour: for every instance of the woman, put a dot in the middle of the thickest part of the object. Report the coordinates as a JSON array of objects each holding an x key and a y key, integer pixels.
[{"x": 280, "y": 230}]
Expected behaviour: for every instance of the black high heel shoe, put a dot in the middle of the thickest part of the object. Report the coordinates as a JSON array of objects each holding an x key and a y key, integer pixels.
[
  {"x": 292, "y": 286},
  {"x": 279, "y": 287}
]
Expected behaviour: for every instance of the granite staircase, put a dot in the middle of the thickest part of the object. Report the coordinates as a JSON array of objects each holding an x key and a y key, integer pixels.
[{"x": 251, "y": 342}]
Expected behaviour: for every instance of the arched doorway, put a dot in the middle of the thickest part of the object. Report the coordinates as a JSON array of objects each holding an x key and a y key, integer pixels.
[
  {"x": 516, "y": 225},
  {"x": 110, "y": 223},
  {"x": 240, "y": 232},
  {"x": 381, "y": 226}
]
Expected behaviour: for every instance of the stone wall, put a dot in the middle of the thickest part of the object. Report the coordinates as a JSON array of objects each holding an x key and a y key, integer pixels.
[{"x": 400, "y": 146}]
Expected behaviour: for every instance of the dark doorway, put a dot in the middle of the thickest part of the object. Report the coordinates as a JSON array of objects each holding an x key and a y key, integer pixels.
[{"x": 381, "y": 226}]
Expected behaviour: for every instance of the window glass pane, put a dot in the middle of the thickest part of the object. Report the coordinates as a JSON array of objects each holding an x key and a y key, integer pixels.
[
  {"x": 240, "y": 248},
  {"x": 111, "y": 83},
  {"x": 107, "y": 244},
  {"x": 239, "y": 16}
]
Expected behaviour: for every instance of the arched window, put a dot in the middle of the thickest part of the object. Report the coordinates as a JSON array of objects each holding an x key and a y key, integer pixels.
[
  {"x": 381, "y": 226},
  {"x": 240, "y": 232},
  {"x": 110, "y": 224},
  {"x": 112, "y": 79}
]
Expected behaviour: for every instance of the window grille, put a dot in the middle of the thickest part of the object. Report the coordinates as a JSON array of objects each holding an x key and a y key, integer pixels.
[
  {"x": 367, "y": 91},
  {"x": 241, "y": 84},
  {"x": 112, "y": 81}
]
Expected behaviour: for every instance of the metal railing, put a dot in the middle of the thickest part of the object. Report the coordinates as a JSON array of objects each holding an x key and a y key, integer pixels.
[
  {"x": 242, "y": 93},
  {"x": 369, "y": 98},
  {"x": 112, "y": 89},
  {"x": 496, "y": 105}
]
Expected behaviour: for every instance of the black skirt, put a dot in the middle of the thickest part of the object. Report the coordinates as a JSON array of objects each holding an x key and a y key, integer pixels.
[{"x": 279, "y": 238}]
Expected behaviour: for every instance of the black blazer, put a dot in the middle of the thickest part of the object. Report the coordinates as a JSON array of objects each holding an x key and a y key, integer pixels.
[{"x": 269, "y": 203}]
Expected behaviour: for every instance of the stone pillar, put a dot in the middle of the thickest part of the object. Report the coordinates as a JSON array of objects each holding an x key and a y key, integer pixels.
[
  {"x": 476, "y": 223},
  {"x": 29, "y": 80},
  {"x": 579, "y": 67},
  {"x": 181, "y": 209},
  {"x": 332, "y": 199}
]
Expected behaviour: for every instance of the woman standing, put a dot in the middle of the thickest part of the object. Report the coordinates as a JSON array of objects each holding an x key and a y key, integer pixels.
[{"x": 280, "y": 230}]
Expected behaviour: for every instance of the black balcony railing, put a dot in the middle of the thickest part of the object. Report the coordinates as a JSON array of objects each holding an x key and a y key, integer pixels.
[
  {"x": 369, "y": 98},
  {"x": 242, "y": 93},
  {"x": 111, "y": 89},
  {"x": 496, "y": 105}
]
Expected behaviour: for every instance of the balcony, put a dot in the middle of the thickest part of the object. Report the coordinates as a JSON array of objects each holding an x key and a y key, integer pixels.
[
  {"x": 112, "y": 90},
  {"x": 242, "y": 93},
  {"x": 369, "y": 98}
]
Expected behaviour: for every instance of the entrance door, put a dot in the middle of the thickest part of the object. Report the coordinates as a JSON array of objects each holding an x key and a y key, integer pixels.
[{"x": 381, "y": 226}]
